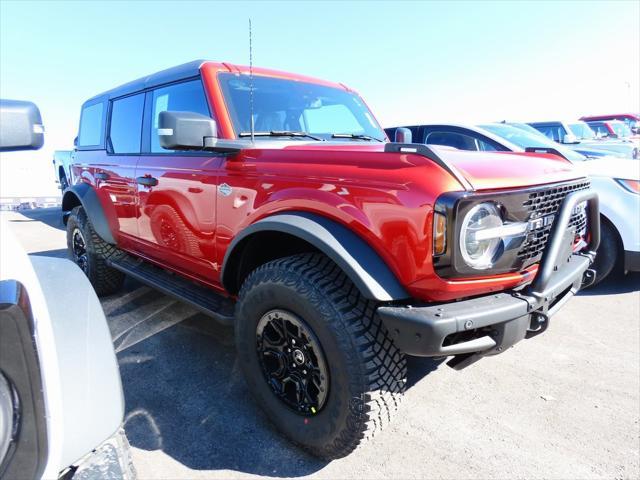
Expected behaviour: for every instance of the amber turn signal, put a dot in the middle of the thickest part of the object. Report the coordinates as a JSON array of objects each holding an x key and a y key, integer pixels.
[{"x": 439, "y": 233}]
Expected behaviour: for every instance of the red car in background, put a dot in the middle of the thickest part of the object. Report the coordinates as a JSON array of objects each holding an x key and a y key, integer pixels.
[
  {"x": 631, "y": 119},
  {"x": 613, "y": 129}
]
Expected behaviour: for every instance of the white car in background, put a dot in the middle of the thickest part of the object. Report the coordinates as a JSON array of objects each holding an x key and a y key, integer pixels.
[{"x": 616, "y": 180}]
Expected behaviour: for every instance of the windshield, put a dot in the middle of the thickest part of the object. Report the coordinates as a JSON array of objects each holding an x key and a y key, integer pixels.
[
  {"x": 524, "y": 139},
  {"x": 582, "y": 131},
  {"x": 621, "y": 129},
  {"x": 281, "y": 105}
]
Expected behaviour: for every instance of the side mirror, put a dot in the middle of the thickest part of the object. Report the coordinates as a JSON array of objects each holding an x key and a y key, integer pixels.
[
  {"x": 191, "y": 131},
  {"x": 185, "y": 130},
  {"x": 403, "y": 135},
  {"x": 570, "y": 138},
  {"x": 22, "y": 127}
]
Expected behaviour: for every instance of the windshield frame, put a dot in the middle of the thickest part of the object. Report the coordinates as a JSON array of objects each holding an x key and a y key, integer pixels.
[{"x": 366, "y": 119}]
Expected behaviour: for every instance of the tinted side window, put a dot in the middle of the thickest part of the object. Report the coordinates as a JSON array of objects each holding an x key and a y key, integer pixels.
[
  {"x": 486, "y": 146},
  {"x": 126, "y": 124},
  {"x": 554, "y": 132},
  {"x": 600, "y": 129},
  {"x": 452, "y": 139},
  {"x": 91, "y": 126},
  {"x": 181, "y": 97}
]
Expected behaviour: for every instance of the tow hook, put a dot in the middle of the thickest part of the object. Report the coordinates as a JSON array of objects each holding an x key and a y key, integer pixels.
[
  {"x": 539, "y": 323},
  {"x": 588, "y": 278}
]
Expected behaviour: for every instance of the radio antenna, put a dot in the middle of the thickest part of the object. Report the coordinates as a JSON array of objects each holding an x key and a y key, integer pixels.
[{"x": 251, "y": 83}]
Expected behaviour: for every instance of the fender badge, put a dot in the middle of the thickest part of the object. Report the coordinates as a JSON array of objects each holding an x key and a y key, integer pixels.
[{"x": 225, "y": 190}]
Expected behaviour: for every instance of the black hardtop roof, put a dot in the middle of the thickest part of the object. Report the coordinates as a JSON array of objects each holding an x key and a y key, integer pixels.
[{"x": 186, "y": 70}]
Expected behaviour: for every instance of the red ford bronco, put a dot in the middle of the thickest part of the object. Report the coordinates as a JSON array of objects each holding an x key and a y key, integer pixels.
[{"x": 275, "y": 203}]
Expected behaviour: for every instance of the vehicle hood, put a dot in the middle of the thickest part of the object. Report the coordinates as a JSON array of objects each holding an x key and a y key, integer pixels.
[
  {"x": 623, "y": 147},
  {"x": 499, "y": 170},
  {"x": 611, "y": 167},
  {"x": 483, "y": 170}
]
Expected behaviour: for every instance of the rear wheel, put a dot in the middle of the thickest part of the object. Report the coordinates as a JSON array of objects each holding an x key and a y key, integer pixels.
[
  {"x": 608, "y": 253},
  {"x": 316, "y": 356},
  {"x": 90, "y": 253}
]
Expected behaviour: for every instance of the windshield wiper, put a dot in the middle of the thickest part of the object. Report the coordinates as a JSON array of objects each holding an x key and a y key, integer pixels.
[
  {"x": 280, "y": 133},
  {"x": 357, "y": 136}
]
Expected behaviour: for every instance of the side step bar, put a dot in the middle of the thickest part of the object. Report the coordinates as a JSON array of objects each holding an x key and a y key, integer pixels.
[{"x": 206, "y": 300}]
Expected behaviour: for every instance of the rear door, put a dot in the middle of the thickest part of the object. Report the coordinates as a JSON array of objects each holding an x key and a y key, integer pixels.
[
  {"x": 116, "y": 178},
  {"x": 177, "y": 190}
]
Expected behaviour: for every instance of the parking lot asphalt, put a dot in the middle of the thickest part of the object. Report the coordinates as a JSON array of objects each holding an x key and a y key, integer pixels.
[{"x": 565, "y": 404}]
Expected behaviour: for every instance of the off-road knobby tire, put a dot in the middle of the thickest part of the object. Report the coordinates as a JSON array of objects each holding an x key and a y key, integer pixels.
[
  {"x": 608, "y": 253},
  {"x": 105, "y": 280},
  {"x": 367, "y": 372}
]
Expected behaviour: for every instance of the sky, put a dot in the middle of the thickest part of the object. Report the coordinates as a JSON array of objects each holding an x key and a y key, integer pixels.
[{"x": 412, "y": 62}]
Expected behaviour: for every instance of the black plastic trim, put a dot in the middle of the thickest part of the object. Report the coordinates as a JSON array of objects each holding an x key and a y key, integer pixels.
[
  {"x": 422, "y": 330},
  {"x": 551, "y": 256},
  {"x": 356, "y": 258},
  {"x": 204, "y": 299},
  {"x": 20, "y": 365},
  {"x": 89, "y": 200},
  {"x": 550, "y": 150},
  {"x": 631, "y": 261},
  {"x": 427, "y": 152}
]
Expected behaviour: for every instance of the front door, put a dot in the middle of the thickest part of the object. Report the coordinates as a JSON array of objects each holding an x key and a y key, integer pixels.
[{"x": 177, "y": 192}]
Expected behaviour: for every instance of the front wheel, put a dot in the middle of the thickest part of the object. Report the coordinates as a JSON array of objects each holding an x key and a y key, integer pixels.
[{"x": 316, "y": 356}]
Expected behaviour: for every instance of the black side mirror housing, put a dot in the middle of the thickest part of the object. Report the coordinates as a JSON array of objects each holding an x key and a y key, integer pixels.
[
  {"x": 185, "y": 130},
  {"x": 191, "y": 131},
  {"x": 22, "y": 127},
  {"x": 403, "y": 135}
]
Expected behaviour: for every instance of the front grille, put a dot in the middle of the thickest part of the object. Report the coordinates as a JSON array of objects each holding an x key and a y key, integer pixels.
[{"x": 542, "y": 203}]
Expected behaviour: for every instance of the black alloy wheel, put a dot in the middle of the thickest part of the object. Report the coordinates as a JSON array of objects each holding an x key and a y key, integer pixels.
[
  {"x": 292, "y": 361},
  {"x": 79, "y": 249}
]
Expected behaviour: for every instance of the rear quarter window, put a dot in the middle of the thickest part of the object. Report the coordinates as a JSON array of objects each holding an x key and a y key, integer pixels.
[{"x": 91, "y": 125}]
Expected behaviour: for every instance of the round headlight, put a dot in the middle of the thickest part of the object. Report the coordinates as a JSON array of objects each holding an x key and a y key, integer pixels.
[{"x": 480, "y": 253}]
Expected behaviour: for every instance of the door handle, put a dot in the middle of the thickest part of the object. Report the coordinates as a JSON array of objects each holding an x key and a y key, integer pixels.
[
  {"x": 101, "y": 176},
  {"x": 147, "y": 181}
]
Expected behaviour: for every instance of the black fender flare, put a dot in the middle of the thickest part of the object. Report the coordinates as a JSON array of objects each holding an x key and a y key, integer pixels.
[
  {"x": 352, "y": 254},
  {"x": 88, "y": 198}
]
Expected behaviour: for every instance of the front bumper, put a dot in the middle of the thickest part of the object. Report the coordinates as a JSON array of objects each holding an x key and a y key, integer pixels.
[{"x": 471, "y": 329}]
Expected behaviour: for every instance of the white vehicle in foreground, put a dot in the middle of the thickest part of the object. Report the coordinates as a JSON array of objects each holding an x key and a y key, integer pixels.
[
  {"x": 616, "y": 180},
  {"x": 61, "y": 400}
]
